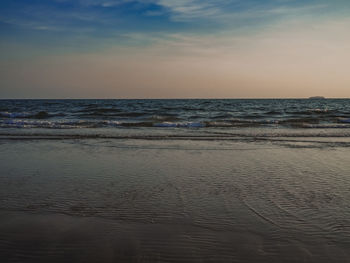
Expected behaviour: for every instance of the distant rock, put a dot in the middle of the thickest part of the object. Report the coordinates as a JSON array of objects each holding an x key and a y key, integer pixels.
[{"x": 317, "y": 98}]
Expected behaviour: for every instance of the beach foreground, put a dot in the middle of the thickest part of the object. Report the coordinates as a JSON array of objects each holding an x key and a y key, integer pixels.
[{"x": 96, "y": 200}]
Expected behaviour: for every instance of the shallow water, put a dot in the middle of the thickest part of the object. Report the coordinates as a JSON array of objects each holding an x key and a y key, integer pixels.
[{"x": 191, "y": 200}]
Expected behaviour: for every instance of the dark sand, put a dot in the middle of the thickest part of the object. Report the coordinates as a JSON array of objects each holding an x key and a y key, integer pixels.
[
  {"x": 143, "y": 201},
  {"x": 29, "y": 237},
  {"x": 60, "y": 238}
]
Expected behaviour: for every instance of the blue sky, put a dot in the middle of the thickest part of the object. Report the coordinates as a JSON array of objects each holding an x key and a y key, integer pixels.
[
  {"x": 34, "y": 30},
  {"x": 91, "y": 23}
]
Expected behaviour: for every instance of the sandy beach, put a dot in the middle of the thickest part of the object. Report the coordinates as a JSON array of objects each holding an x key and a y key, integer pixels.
[{"x": 173, "y": 201}]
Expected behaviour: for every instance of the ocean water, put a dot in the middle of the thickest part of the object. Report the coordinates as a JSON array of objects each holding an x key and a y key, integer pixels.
[
  {"x": 206, "y": 113},
  {"x": 169, "y": 119},
  {"x": 174, "y": 180}
]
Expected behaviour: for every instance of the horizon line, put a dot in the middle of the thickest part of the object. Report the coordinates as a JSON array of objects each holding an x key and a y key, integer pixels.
[{"x": 198, "y": 98}]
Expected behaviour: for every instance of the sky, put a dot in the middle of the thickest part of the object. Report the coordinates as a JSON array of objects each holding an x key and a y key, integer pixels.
[{"x": 174, "y": 48}]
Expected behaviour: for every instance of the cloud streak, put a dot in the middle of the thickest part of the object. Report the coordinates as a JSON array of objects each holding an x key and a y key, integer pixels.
[{"x": 106, "y": 15}]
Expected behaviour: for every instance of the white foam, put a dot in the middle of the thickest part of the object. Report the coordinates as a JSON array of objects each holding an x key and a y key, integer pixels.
[{"x": 180, "y": 125}]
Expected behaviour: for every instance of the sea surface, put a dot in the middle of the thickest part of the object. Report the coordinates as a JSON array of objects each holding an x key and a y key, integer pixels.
[
  {"x": 169, "y": 119},
  {"x": 175, "y": 180},
  {"x": 192, "y": 113}
]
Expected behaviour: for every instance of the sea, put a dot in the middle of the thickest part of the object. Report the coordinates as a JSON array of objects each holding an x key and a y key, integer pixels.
[
  {"x": 180, "y": 180},
  {"x": 164, "y": 119}
]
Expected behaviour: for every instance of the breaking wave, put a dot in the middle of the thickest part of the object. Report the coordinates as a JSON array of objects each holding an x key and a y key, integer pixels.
[{"x": 28, "y": 115}]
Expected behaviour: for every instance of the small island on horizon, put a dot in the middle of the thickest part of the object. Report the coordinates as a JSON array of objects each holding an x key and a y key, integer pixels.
[{"x": 316, "y": 98}]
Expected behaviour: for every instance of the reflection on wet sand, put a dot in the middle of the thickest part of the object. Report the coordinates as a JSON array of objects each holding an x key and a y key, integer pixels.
[{"x": 173, "y": 201}]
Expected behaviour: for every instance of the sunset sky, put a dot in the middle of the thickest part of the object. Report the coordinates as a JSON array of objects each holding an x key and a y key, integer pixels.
[{"x": 174, "y": 48}]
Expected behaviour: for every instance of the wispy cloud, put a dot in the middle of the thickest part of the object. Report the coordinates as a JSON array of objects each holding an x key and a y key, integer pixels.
[
  {"x": 104, "y": 3},
  {"x": 226, "y": 10},
  {"x": 192, "y": 9},
  {"x": 109, "y": 21},
  {"x": 106, "y": 15}
]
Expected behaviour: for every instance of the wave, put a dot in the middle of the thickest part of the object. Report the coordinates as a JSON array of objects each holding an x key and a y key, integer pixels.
[
  {"x": 156, "y": 123},
  {"x": 164, "y": 118},
  {"x": 222, "y": 116},
  {"x": 293, "y": 121},
  {"x": 109, "y": 114},
  {"x": 315, "y": 111},
  {"x": 131, "y": 114},
  {"x": 94, "y": 124},
  {"x": 180, "y": 124},
  {"x": 14, "y": 114},
  {"x": 273, "y": 112},
  {"x": 12, "y": 123},
  {"x": 295, "y": 140},
  {"x": 104, "y": 110},
  {"x": 97, "y": 110},
  {"x": 344, "y": 120},
  {"x": 28, "y": 115}
]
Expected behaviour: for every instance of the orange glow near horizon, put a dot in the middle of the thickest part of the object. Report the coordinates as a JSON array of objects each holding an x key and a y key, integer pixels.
[{"x": 286, "y": 61}]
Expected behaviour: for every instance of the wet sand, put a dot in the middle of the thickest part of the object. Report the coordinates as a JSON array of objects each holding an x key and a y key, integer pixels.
[
  {"x": 27, "y": 237},
  {"x": 173, "y": 201}
]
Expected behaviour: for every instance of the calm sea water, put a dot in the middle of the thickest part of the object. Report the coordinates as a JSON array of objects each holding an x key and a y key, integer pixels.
[
  {"x": 167, "y": 118},
  {"x": 60, "y": 114},
  {"x": 175, "y": 180}
]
